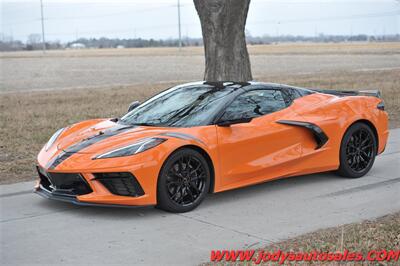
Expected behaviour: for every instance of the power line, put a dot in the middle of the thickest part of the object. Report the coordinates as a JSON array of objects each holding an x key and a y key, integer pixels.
[
  {"x": 109, "y": 14},
  {"x": 18, "y": 9},
  {"x": 20, "y": 22},
  {"x": 42, "y": 19},
  {"x": 164, "y": 26},
  {"x": 92, "y": 16},
  {"x": 122, "y": 30},
  {"x": 358, "y": 16}
]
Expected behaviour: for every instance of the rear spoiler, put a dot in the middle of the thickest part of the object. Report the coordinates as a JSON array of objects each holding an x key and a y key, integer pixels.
[{"x": 372, "y": 93}]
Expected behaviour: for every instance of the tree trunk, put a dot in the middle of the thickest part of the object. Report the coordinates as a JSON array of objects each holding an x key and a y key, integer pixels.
[{"x": 223, "y": 24}]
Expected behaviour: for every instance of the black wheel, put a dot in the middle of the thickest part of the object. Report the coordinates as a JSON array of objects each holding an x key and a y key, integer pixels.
[
  {"x": 357, "y": 151},
  {"x": 183, "y": 182}
]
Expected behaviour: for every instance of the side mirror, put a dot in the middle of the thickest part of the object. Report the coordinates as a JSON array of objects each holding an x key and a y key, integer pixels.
[
  {"x": 228, "y": 123},
  {"x": 133, "y": 105}
]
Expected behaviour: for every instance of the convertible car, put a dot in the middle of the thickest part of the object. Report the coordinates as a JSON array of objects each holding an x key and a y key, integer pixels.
[{"x": 205, "y": 137}]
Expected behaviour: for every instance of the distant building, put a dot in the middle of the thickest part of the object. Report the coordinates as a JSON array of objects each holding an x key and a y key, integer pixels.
[
  {"x": 77, "y": 45},
  {"x": 120, "y": 47}
]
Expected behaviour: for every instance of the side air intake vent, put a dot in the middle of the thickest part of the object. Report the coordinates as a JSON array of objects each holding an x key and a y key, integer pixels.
[
  {"x": 123, "y": 184},
  {"x": 319, "y": 135}
]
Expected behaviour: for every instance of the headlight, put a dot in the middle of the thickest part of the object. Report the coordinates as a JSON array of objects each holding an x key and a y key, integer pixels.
[
  {"x": 53, "y": 139},
  {"x": 132, "y": 149}
]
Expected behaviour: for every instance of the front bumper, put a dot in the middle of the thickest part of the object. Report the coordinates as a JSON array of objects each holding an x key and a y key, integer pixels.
[
  {"x": 112, "y": 189},
  {"x": 40, "y": 190}
]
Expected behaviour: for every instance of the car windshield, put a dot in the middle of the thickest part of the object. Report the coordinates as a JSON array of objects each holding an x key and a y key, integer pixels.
[{"x": 182, "y": 106}]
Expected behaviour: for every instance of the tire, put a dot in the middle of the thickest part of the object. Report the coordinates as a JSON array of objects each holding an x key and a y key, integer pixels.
[
  {"x": 357, "y": 151},
  {"x": 183, "y": 182}
]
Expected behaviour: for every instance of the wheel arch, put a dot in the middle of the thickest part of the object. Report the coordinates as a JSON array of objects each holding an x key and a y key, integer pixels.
[
  {"x": 206, "y": 157},
  {"x": 373, "y": 128}
]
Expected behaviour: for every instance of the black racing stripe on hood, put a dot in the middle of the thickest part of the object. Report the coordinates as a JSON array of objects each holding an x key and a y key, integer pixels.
[
  {"x": 102, "y": 135},
  {"x": 58, "y": 159},
  {"x": 182, "y": 136}
]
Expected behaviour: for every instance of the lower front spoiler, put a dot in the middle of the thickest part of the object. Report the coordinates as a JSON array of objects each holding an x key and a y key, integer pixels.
[{"x": 72, "y": 199}]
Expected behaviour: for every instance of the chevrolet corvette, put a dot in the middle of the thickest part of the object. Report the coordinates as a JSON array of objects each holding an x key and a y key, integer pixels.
[{"x": 207, "y": 137}]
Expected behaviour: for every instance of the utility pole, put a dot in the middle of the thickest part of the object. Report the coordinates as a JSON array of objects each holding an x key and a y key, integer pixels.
[
  {"x": 43, "y": 39},
  {"x": 179, "y": 24}
]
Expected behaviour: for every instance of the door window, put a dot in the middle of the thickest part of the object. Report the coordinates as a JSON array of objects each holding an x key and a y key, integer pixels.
[{"x": 253, "y": 104}]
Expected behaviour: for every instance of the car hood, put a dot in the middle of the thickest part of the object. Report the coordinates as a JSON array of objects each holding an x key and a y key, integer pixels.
[{"x": 96, "y": 136}]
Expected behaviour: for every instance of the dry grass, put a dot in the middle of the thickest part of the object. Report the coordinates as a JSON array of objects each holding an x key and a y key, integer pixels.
[
  {"x": 28, "y": 119},
  {"x": 327, "y": 48},
  {"x": 272, "y": 49},
  {"x": 94, "y": 68},
  {"x": 379, "y": 234}
]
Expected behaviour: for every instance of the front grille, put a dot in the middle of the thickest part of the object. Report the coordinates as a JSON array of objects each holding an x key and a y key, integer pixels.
[
  {"x": 65, "y": 183},
  {"x": 123, "y": 184}
]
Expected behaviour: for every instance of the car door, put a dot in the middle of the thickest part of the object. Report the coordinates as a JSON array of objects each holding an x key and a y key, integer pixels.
[{"x": 261, "y": 149}]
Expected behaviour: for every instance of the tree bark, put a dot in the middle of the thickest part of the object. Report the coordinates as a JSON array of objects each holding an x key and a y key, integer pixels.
[{"x": 223, "y": 24}]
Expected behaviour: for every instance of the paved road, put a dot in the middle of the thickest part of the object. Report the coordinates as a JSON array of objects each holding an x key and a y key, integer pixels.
[{"x": 39, "y": 231}]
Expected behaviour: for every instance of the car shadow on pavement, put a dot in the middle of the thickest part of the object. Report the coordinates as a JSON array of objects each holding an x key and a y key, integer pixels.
[
  {"x": 100, "y": 211},
  {"x": 277, "y": 186}
]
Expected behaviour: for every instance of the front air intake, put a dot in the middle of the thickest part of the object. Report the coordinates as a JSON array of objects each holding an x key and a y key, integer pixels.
[
  {"x": 63, "y": 183},
  {"x": 122, "y": 184}
]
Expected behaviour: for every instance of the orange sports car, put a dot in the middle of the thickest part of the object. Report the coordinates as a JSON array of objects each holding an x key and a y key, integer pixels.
[{"x": 202, "y": 137}]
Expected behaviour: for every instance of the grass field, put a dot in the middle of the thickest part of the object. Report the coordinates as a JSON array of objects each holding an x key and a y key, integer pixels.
[
  {"x": 379, "y": 234},
  {"x": 93, "y": 68},
  {"x": 285, "y": 48},
  {"x": 29, "y": 117}
]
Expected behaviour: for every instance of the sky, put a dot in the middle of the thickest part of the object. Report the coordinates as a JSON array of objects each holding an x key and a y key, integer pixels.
[{"x": 67, "y": 20}]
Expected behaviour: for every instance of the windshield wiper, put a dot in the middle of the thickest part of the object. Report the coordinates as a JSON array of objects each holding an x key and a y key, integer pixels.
[{"x": 144, "y": 124}]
